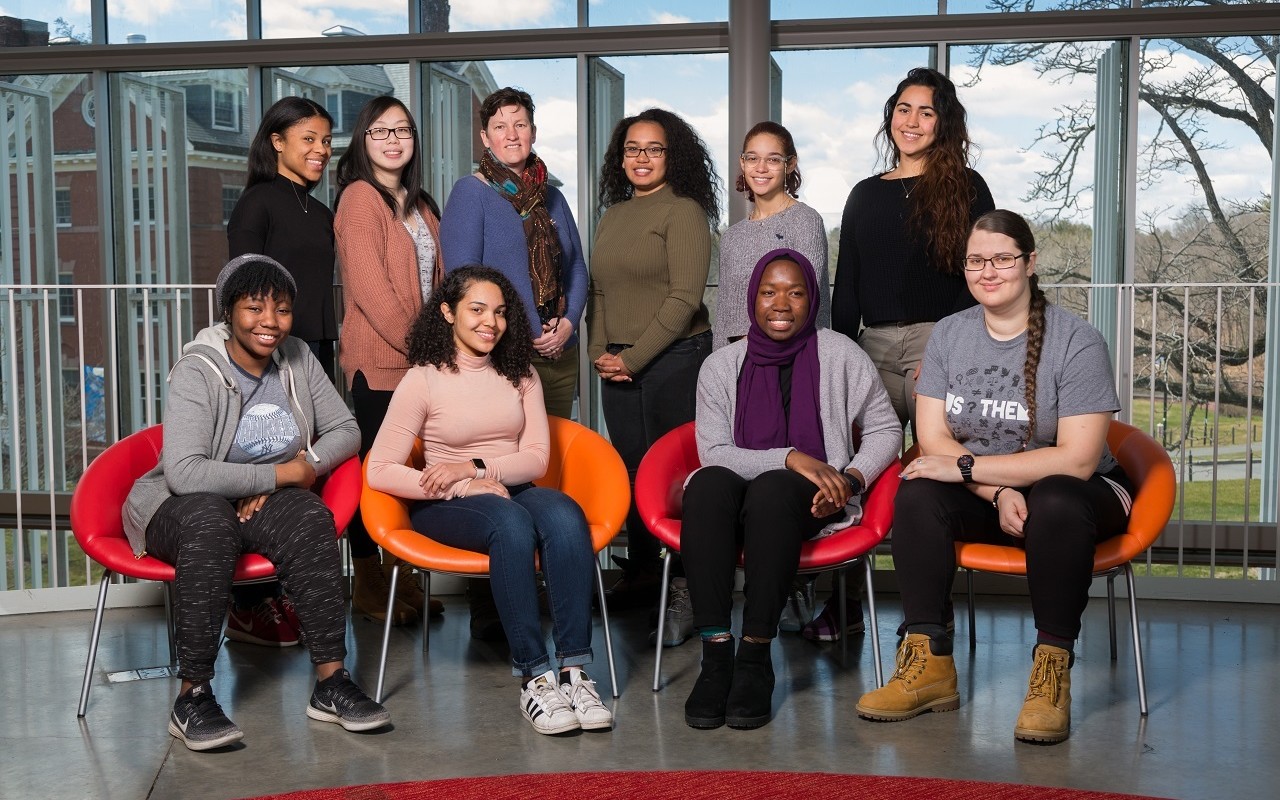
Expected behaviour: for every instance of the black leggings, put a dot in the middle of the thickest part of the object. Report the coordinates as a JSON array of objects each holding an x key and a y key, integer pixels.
[
  {"x": 1066, "y": 518},
  {"x": 767, "y": 518},
  {"x": 202, "y": 537}
]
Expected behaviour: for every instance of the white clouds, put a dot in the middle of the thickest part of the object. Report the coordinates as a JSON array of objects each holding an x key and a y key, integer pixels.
[
  {"x": 501, "y": 14},
  {"x": 667, "y": 18}
]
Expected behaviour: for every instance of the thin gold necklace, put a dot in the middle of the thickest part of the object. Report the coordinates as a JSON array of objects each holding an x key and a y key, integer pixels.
[{"x": 302, "y": 203}]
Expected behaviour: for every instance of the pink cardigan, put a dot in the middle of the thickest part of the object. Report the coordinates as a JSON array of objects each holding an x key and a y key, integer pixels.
[{"x": 380, "y": 288}]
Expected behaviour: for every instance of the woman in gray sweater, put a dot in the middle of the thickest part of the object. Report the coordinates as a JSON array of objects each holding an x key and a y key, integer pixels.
[
  {"x": 776, "y": 415},
  {"x": 251, "y": 421}
]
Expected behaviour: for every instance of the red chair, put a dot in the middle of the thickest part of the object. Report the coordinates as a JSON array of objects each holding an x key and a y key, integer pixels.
[
  {"x": 1148, "y": 466},
  {"x": 660, "y": 499},
  {"x": 98, "y": 525}
]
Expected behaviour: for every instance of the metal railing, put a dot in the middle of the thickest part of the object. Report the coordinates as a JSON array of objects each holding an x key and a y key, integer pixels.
[{"x": 82, "y": 366}]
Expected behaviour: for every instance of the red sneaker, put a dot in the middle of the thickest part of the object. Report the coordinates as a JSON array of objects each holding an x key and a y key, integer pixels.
[
  {"x": 263, "y": 624},
  {"x": 290, "y": 613}
]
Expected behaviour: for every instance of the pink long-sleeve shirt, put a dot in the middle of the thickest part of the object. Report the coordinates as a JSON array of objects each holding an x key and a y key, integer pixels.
[{"x": 473, "y": 413}]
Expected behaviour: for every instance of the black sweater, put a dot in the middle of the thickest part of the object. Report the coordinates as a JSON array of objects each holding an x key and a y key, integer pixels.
[
  {"x": 269, "y": 219},
  {"x": 884, "y": 273}
]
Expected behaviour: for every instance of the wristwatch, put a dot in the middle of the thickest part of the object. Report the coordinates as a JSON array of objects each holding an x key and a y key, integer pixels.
[
  {"x": 855, "y": 485},
  {"x": 965, "y": 463},
  {"x": 478, "y": 463}
]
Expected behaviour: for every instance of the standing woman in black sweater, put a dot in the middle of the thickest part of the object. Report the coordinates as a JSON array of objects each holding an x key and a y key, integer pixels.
[
  {"x": 277, "y": 217},
  {"x": 902, "y": 238}
]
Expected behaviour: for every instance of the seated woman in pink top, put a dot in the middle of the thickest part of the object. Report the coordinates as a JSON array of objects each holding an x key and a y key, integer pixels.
[{"x": 476, "y": 403}]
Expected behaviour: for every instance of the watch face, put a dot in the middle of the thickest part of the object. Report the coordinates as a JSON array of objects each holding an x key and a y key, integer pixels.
[{"x": 965, "y": 462}]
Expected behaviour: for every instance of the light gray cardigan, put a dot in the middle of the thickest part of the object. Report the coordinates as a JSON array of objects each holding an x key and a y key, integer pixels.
[
  {"x": 202, "y": 413},
  {"x": 850, "y": 392}
]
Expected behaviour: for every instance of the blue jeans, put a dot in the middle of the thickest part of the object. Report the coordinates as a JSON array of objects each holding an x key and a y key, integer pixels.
[{"x": 535, "y": 520}]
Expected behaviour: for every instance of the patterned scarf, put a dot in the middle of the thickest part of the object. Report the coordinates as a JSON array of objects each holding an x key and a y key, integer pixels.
[{"x": 527, "y": 194}]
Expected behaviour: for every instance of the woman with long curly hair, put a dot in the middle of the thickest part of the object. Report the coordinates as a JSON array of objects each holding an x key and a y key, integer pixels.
[
  {"x": 475, "y": 403},
  {"x": 1016, "y": 396},
  {"x": 388, "y": 234},
  {"x": 902, "y": 238},
  {"x": 648, "y": 329}
]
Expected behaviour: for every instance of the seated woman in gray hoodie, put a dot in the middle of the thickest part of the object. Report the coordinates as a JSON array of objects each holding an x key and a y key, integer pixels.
[{"x": 252, "y": 420}]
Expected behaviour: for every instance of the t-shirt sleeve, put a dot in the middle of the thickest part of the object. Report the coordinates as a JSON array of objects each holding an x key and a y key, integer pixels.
[
  {"x": 1086, "y": 385},
  {"x": 933, "y": 369}
]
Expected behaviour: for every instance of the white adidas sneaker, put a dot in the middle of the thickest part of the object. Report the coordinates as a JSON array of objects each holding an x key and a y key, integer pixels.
[
  {"x": 592, "y": 714},
  {"x": 545, "y": 707}
]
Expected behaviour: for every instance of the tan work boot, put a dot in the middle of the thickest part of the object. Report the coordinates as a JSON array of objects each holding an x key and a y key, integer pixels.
[
  {"x": 408, "y": 590},
  {"x": 1046, "y": 713},
  {"x": 370, "y": 594},
  {"x": 922, "y": 682}
]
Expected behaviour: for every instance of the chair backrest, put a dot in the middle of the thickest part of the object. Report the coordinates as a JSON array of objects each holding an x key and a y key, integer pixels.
[
  {"x": 1149, "y": 468},
  {"x": 660, "y": 482}
]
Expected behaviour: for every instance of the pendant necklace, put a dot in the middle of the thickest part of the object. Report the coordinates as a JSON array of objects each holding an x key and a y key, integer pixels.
[
  {"x": 906, "y": 193},
  {"x": 301, "y": 202}
]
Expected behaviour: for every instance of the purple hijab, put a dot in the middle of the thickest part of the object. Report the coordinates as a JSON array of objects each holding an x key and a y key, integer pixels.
[{"x": 759, "y": 422}]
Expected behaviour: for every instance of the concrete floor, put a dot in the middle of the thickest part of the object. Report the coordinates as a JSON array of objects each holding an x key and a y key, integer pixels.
[{"x": 1213, "y": 729}]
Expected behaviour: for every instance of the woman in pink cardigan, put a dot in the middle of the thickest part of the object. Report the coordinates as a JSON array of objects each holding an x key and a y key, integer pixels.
[{"x": 388, "y": 240}]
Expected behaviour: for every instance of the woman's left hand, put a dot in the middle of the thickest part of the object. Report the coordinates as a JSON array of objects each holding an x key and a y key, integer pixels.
[
  {"x": 436, "y": 478},
  {"x": 1013, "y": 512},
  {"x": 555, "y": 333},
  {"x": 936, "y": 468},
  {"x": 246, "y": 507}
]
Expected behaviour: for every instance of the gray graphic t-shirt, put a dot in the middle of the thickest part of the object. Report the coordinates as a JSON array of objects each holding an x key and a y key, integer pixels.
[
  {"x": 267, "y": 432},
  {"x": 980, "y": 379}
]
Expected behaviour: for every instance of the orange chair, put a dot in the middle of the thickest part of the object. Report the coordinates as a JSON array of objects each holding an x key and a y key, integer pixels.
[
  {"x": 1148, "y": 466},
  {"x": 583, "y": 465},
  {"x": 660, "y": 500},
  {"x": 98, "y": 525}
]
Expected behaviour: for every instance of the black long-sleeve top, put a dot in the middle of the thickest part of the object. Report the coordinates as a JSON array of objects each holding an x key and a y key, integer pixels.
[
  {"x": 884, "y": 273},
  {"x": 278, "y": 218}
]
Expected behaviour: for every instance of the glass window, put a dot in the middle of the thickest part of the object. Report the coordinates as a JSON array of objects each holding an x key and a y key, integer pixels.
[
  {"x": 226, "y": 110},
  {"x": 230, "y": 196},
  {"x": 490, "y": 16},
  {"x": 66, "y": 299},
  {"x": 62, "y": 207},
  {"x": 30, "y": 24},
  {"x": 656, "y": 12},
  {"x": 131, "y": 22},
  {"x": 822, "y": 9},
  {"x": 1014, "y": 6},
  {"x": 287, "y": 20}
]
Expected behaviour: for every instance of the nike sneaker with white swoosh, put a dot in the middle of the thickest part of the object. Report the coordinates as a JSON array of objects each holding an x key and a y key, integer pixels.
[
  {"x": 337, "y": 699},
  {"x": 198, "y": 721}
]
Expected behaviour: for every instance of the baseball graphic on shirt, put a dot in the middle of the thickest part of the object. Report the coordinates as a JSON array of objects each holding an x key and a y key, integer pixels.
[{"x": 265, "y": 429}]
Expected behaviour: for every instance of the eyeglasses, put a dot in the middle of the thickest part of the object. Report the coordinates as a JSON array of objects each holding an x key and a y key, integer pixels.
[
  {"x": 652, "y": 151},
  {"x": 999, "y": 261},
  {"x": 772, "y": 163},
  {"x": 383, "y": 133}
]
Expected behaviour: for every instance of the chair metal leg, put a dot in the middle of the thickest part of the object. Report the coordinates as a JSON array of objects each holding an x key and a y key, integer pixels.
[
  {"x": 662, "y": 619},
  {"x": 171, "y": 624},
  {"x": 1111, "y": 611},
  {"x": 842, "y": 616},
  {"x": 973, "y": 631},
  {"x": 1137, "y": 639},
  {"x": 386, "y": 633},
  {"x": 93, "y": 643},
  {"x": 875, "y": 627},
  {"x": 426, "y": 588},
  {"x": 604, "y": 621}
]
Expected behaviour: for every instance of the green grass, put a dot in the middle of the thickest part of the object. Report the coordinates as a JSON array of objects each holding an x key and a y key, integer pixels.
[
  {"x": 1233, "y": 428},
  {"x": 1197, "y": 498}
]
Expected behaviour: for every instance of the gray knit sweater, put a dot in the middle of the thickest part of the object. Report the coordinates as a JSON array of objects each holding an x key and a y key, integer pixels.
[
  {"x": 850, "y": 392},
  {"x": 202, "y": 412},
  {"x": 798, "y": 227}
]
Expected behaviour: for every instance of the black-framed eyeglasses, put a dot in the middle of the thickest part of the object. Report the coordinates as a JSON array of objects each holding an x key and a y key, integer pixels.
[
  {"x": 999, "y": 261},
  {"x": 383, "y": 133},
  {"x": 652, "y": 151}
]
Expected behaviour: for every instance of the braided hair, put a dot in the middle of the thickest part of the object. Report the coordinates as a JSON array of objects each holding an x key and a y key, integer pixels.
[{"x": 1009, "y": 224}]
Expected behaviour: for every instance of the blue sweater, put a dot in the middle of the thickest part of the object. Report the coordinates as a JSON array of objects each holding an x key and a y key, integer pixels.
[{"x": 480, "y": 226}]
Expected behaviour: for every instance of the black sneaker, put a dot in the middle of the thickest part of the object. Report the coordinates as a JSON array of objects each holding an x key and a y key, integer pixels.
[
  {"x": 338, "y": 699},
  {"x": 198, "y": 721}
]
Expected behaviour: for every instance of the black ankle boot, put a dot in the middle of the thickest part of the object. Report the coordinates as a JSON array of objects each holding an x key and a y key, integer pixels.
[
  {"x": 705, "y": 706},
  {"x": 751, "y": 697}
]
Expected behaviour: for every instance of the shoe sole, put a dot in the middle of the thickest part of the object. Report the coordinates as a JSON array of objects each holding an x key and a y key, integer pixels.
[
  {"x": 747, "y": 723},
  {"x": 653, "y": 640},
  {"x": 248, "y": 638},
  {"x": 211, "y": 744},
  {"x": 595, "y": 726},
  {"x": 942, "y": 705},
  {"x": 703, "y": 723},
  {"x": 1040, "y": 737},
  {"x": 368, "y": 725},
  {"x": 835, "y": 637},
  {"x": 565, "y": 728}
]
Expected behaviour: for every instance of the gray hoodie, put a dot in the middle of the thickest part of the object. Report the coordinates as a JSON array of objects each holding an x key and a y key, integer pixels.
[{"x": 202, "y": 413}]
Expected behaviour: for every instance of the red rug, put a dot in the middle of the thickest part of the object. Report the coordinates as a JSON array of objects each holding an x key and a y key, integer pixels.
[{"x": 691, "y": 785}]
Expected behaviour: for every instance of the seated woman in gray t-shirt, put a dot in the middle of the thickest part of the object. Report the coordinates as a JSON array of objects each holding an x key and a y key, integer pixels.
[{"x": 1015, "y": 398}]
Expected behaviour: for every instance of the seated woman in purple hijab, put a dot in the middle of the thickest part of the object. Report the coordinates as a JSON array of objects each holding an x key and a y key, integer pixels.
[{"x": 776, "y": 415}]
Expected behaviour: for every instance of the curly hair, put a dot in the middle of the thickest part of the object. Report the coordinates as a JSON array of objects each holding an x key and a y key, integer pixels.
[
  {"x": 283, "y": 115},
  {"x": 943, "y": 195},
  {"x": 355, "y": 164},
  {"x": 1007, "y": 223},
  {"x": 431, "y": 341},
  {"x": 256, "y": 279},
  {"x": 690, "y": 169},
  {"x": 791, "y": 183}
]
